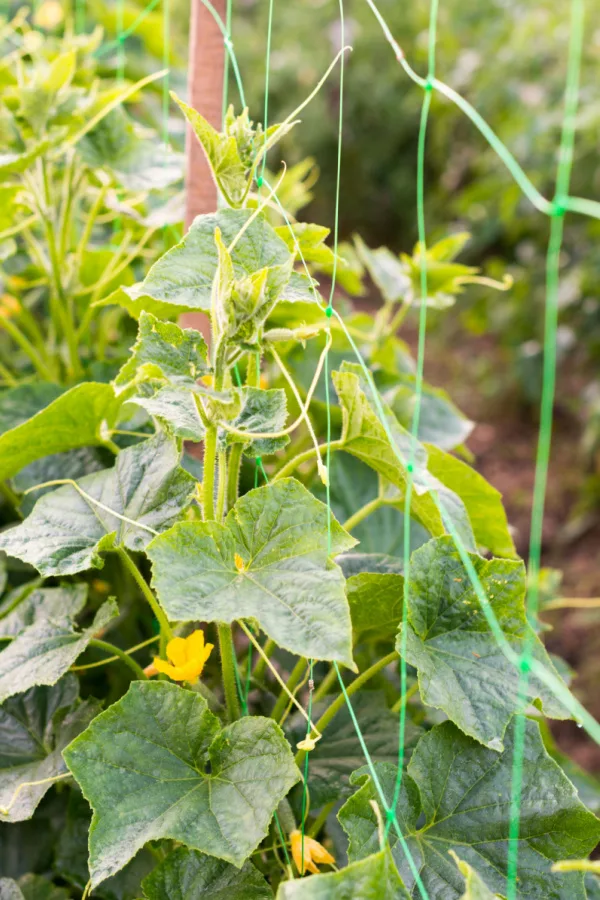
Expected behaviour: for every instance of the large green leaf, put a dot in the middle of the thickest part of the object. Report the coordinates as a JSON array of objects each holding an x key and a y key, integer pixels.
[
  {"x": 78, "y": 418},
  {"x": 164, "y": 350},
  {"x": 483, "y": 502},
  {"x": 34, "y": 729},
  {"x": 365, "y": 437},
  {"x": 175, "y": 408},
  {"x": 373, "y": 878},
  {"x": 288, "y": 582},
  {"x": 189, "y": 875},
  {"x": 73, "y": 464},
  {"x": 157, "y": 765},
  {"x": 462, "y": 670},
  {"x": 31, "y": 887},
  {"x": 440, "y": 421},
  {"x": 457, "y": 796},
  {"x": 145, "y": 492},
  {"x": 138, "y": 162},
  {"x": 183, "y": 277},
  {"x": 20, "y": 403},
  {"x": 48, "y": 643}
]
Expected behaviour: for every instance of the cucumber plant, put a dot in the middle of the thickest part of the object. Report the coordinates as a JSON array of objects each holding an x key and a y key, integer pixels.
[{"x": 192, "y": 667}]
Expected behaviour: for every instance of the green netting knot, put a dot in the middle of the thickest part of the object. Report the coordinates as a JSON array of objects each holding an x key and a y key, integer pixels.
[
  {"x": 524, "y": 665},
  {"x": 259, "y": 181},
  {"x": 258, "y": 460},
  {"x": 390, "y": 815},
  {"x": 410, "y": 468},
  {"x": 559, "y": 206},
  {"x": 329, "y": 312},
  {"x": 428, "y": 84}
]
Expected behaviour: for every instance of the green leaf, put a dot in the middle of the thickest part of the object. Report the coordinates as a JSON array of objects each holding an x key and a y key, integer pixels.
[
  {"x": 457, "y": 796},
  {"x": 72, "y": 464},
  {"x": 166, "y": 351},
  {"x": 375, "y": 601},
  {"x": 183, "y": 277},
  {"x": 188, "y": 875},
  {"x": 462, "y": 670},
  {"x": 140, "y": 302},
  {"x": 158, "y": 765},
  {"x": 288, "y": 583},
  {"x": 175, "y": 408},
  {"x": 221, "y": 151},
  {"x": 20, "y": 403},
  {"x": 14, "y": 163},
  {"x": 475, "y": 889},
  {"x": 364, "y": 436},
  {"x": 35, "y": 727},
  {"x": 261, "y": 411},
  {"x": 145, "y": 492},
  {"x": 71, "y": 856},
  {"x": 340, "y": 753},
  {"x": 139, "y": 162},
  {"x": 10, "y": 890},
  {"x": 78, "y": 418},
  {"x": 483, "y": 502},
  {"x": 47, "y": 646},
  {"x": 35, "y": 887},
  {"x": 373, "y": 878}
]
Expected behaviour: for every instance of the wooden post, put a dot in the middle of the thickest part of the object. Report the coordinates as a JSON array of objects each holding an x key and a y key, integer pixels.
[
  {"x": 205, "y": 93},
  {"x": 206, "y": 67}
]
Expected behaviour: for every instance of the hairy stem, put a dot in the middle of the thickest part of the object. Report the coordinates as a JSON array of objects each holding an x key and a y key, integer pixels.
[
  {"x": 222, "y": 489},
  {"x": 165, "y": 629},
  {"x": 121, "y": 654},
  {"x": 233, "y": 474},
  {"x": 362, "y": 513},
  {"x": 208, "y": 480},
  {"x": 228, "y": 663}
]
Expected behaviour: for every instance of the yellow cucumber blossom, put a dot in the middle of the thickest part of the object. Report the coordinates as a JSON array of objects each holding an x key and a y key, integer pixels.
[
  {"x": 314, "y": 853},
  {"x": 188, "y": 656}
]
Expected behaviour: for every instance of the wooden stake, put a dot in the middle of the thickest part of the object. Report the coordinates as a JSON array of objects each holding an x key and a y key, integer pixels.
[{"x": 205, "y": 93}]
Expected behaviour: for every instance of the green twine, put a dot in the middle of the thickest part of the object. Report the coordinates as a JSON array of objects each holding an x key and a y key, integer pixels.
[{"x": 261, "y": 177}]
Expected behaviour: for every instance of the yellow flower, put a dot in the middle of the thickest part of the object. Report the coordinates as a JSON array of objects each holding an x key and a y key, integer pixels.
[
  {"x": 264, "y": 382},
  {"x": 314, "y": 853},
  {"x": 239, "y": 563},
  {"x": 9, "y": 306},
  {"x": 49, "y": 14},
  {"x": 188, "y": 656},
  {"x": 208, "y": 380}
]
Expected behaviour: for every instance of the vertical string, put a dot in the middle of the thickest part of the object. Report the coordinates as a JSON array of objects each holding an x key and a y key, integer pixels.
[
  {"x": 414, "y": 430},
  {"x": 165, "y": 92},
  {"x": 261, "y": 177},
  {"x": 565, "y": 164}
]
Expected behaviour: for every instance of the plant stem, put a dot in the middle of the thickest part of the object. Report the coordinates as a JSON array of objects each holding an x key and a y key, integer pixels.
[
  {"x": 208, "y": 480},
  {"x": 328, "y": 682},
  {"x": 27, "y": 347},
  {"x": 228, "y": 663},
  {"x": 339, "y": 701},
  {"x": 222, "y": 489},
  {"x": 402, "y": 701},
  {"x": 294, "y": 679},
  {"x": 362, "y": 513},
  {"x": 233, "y": 476},
  {"x": 116, "y": 651},
  {"x": 11, "y": 497},
  {"x": 293, "y": 464},
  {"x": 321, "y": 819},
  {"x": 109, "y": 659},
  {"x": 261, "y": 665},
  {"x": 165, "y": 629}
]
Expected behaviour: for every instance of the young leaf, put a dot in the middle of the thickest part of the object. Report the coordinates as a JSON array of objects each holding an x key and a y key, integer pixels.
[
  {"x": 475, "y": 889},
  {"x": 386, "y": 271},
  {"x": 77, "y": 418},
  {"x": 183, "y": 277},
  {"x": 373, "y": 878},
  {"x": 269, "y": 561},
  {"x": 483, "y": 502},
  {"x": 462, "y": 792},
  {"x": 46, "y": 647},
  {"x": 163, "y": 350},
  {"x": 261, "y": 411},
  {"x": 34, "y": 729},
  {"x": 175, "y": 408},
  {"x": 221, "y": 151},
  {"x": 461, "y": 668},
  {"x": 146, "y": 491},
  {"x": 188, "y": 875},
  {"x": 157, "y": 765}
]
